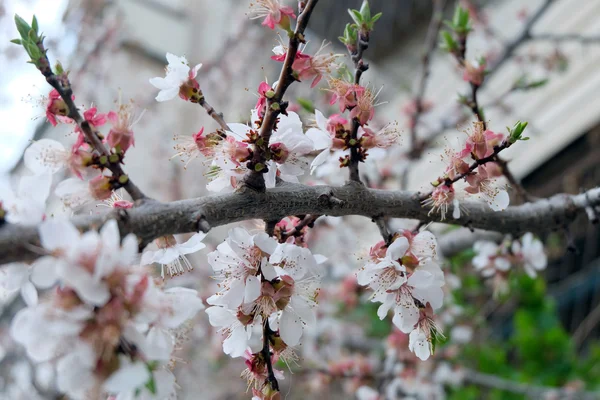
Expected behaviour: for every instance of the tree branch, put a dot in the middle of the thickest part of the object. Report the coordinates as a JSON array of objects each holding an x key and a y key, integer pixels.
[
  {"x": 154, "y": 219},
  {"x": 416, "y": 147},
  {"x": 255, "y": 180}
]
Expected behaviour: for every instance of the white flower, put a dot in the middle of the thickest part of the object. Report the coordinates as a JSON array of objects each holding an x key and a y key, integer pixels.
[
  {"x": 15, "y": 278},
  {"x": 46, "y": 156},
  {"x": 172, "y": 255},
  {"x": 289, "y": 141},
  {"x": 532, "y": 254},
  {"x": 419, "y": 343},
  {"x": 28, "y": 204},
  {"x": 224, "y": 175},
  {"x": 296, "y": 268},
  {"x": 240, "y": 336},
  {"x": 423, "y": 285},
  {"x": 46, "y": 331},
  {"x": 321, "y": 140},
  {"x": 387, "y": 273},
  {"x": 164, "y": 385},
  {"x": 490, "y": 257},
  {"x": 178, "y": 72},
  {"x": 74, "y": 193},
  {"x": 367, "y": 393},
  {"x": 236, "y": 262},
  {"x": 82, "y": 260}
]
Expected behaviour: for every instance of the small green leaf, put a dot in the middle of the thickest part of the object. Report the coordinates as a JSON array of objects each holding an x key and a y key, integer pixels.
[
  {"x": 365, "y": 11},
  {"x": 356, "y": 17},
  {"x": 448, "y": 42},
  {"x": 34, "y": 24},
  {"x": 22, "y": 26},
  {"x": 17, "y": 41},
  {"x": 306, "y": 104},
  {"x": 376, "y": 17}
]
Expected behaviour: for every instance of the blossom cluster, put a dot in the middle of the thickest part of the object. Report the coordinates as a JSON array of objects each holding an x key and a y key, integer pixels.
[
  {"x": 405, "y": 277},
  {"x": 495, "y": 260},
  {"x": 481, "y": 176},
  {"x": 105, "y": 325},
  {"x": 266, "y": 288}
]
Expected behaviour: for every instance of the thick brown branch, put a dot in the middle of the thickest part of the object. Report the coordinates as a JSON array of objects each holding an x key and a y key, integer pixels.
[{"x": 153, "y": 219}]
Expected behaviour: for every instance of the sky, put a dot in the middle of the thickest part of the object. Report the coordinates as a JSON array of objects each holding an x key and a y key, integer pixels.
[{"x": 20, "y": 83}]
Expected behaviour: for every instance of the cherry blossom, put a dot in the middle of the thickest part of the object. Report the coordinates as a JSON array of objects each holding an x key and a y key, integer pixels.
[
  {"x": 236, "y": 262},
  {"x": 273, "y": 13},
  {"x": 344, "y": 93},
  {"x": 180, "y": 80},
  {"x": 530, "y": 252},
  {"x": 107, "y": 326},
  {"x": 26, "y": 205},
  {"x": 323, "y": 138},
  {"x": 121, "y": 134},
  {"x": 313, "y": 67},
  {"x": 75, "y": 193},
  {"x": 171, "y": 255},
  {"x": 47, "y": 156},
  {"x": 14, "y": 278},
  {"x": 56, "y": 109},
  {"x": 486, "y": 187}
]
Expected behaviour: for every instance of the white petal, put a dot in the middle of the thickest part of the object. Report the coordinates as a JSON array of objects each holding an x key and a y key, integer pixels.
[
  {"x": 319, "y": 138},
  {"x": 397, "y": 249},
  {"x": 128, "y": 377},
  {"x": 193, "y": 244},
  {"x": 500, "y": 201},
  {"x": 43, "y": 156},
  {"x": 290, "y": 328},
  {"x": 159, "y": 345},
  {"x": 167, "y": 94},
  {"x": 252, "y": 290},
  {"x": 29, "y": 294},
  {"x": 58, "y": 234}
]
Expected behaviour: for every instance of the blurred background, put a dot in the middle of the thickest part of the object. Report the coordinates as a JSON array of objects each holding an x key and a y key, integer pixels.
[{"x": 544, "y": 336}]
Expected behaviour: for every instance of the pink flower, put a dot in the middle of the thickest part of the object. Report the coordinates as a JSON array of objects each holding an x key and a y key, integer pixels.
[
  {"x": 384, "y": 138},
  {"x": 56, "y": 109},
  {"x": 94, "y": 119},
  {"x": 481, "y": 143},
  {"x": 273, "y": 13},
  {"x": 474, "y": 73},
  {"x": 364, "y": 110},
  {"x": 484, "y": 185},
  {"x": 441, "y": 199},
  {"x": 100, "y": 187},
  {"x": 122, "y": 121},
  {"x": 345, "y": 93},
  {"x": 315, "y": 67},
  {"x": 261, "y": 103}
]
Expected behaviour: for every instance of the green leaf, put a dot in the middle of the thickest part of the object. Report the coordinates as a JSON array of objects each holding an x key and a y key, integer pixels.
[
  {"x": 22, "y": 26},
  {"x": 17, "y": 41},
  {"x": 34, "y": 24},
  {"x": 356, "y": 17},
  {"x": 376, "y": 17},
  {"x": 365, "y": 11},
  {"x": 306, "y": 104},
  {"x": 448, "y": 42}
]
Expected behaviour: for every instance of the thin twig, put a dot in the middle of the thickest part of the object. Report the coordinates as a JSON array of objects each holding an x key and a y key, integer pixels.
[
  {"x": 431, "y": 41},
  {"x": 359, "y": 67},
  {"x": 275, "y": 105}
]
